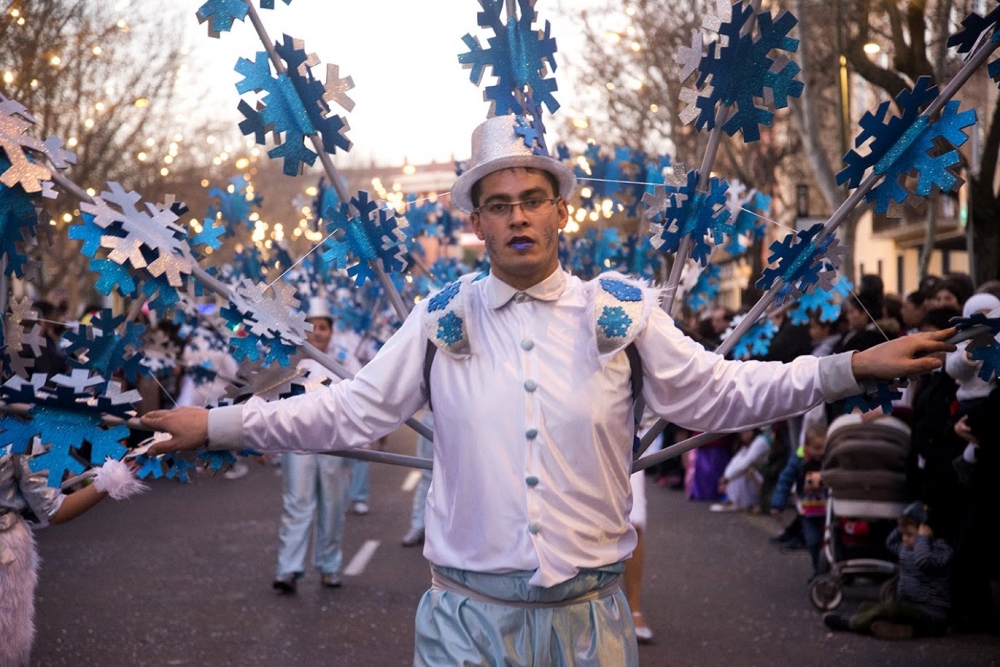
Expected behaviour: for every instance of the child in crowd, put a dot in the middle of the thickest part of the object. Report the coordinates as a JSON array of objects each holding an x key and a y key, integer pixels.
[
  {"x": 740, "y": 483},
  {"x": 922, "y": 594},
  {"x": 804, "y": 474}
]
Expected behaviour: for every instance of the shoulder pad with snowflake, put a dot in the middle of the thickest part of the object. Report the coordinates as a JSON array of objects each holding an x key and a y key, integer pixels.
[
  {"x": 445, "y": 321},
  {"x": 621, "y": 310}
]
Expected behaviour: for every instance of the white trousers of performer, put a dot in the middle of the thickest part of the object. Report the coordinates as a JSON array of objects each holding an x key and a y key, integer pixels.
[{"x": 314, "y": 485}]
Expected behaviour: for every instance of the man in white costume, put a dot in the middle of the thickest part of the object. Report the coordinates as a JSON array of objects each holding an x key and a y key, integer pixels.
[{"x": 527, "y": 517}]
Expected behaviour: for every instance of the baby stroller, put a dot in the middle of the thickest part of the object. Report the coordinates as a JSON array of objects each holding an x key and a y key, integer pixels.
[{"x": 864, "y": 470}]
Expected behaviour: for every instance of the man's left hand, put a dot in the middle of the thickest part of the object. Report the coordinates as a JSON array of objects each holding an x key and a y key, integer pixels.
[{"x": 902, "y": 357}]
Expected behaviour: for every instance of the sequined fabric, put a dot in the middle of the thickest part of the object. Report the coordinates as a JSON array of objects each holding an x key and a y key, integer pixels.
[{"x": 22, "y": 489}]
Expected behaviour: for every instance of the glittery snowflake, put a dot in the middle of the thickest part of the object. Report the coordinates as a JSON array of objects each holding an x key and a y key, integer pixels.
[
  {"x": 64, "y": 416},
  {"x": 293, "y": 106},
  {"x": 882, "y": 396},
  {"x": 826, "y": 303},
  {"x": 375, "y": 234},
  {"x": 100, "y": 348},
  {"x": 739, "y": 70},
  {"x": 517, "y": 55},
  {"x": 756, "y": 341},
  {"x": 906, "y": 144},
  {"x": 149, "y": 241},
  {"x": 235, "y": 204},
  {"x": 222, "y": 13},
  {"x": 687, "y": 213},
  {"x": 274, "y": 382},
  {"x": 19, "y": 169},
  {"x": 611, "y": 175},
  {"x": 802, "y": 263},
  {"x": 614, "y": 321},
  {"x": 274, "y": 321}
]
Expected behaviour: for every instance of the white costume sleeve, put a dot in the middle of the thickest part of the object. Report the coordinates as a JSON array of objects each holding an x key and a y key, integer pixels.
[
  {"x": 697, "y": 389},
  {"x": 348, "y": 414}
]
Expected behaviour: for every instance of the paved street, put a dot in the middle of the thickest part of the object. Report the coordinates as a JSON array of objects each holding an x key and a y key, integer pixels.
[{"x": 182, "y": 576}]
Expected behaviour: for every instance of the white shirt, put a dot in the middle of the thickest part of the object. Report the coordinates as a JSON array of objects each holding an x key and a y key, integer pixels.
[{"x": 533, "y": 431}]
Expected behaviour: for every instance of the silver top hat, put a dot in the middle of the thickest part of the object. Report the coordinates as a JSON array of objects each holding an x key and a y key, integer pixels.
[
  {"x": 318, "y": 307},
  {"x": 496, "y": 146}
]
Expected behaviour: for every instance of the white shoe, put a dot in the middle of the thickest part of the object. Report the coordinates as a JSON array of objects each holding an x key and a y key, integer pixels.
[
  {"x": 237, "y": 470},
  {"x": 360, "y": 508},
  {"x": 642, "y": 632}
]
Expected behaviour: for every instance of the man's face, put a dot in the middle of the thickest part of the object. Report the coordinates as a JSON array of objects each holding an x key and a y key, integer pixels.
[
  {"x": 320, "y": 335},
  {"x": 908, "y": 533},
  {"x": 912, "y": 314},
  {"x": 523, "y": 247}
]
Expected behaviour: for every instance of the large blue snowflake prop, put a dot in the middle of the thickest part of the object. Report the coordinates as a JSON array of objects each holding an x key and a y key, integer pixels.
[
  {"x": 680, "y": 211},
  {"x": 756, "y": 341},
  {"x": 705, "y": 288},
  {"x": 908, "y": 144},
  {"x": 738, "y": 70},
  {"x": 147, "y": 241},
  {"x": 517, "y": 56},
  {"x": 990, "y": 356},
  {"x": 221, "y": 13},
  {"x": 64, "y": 417},
  {"x": 974, "y": 27},
  {"x": 803, "y": 263},
  {"x": 274, "y": 321},
  {"x": 375, "y": 234},
  {"x": 641, "y": 258},
  {"x": 826, "y": 303},
  {"x": 294, "y": 106},
  {"x": 100, "y": 348}
]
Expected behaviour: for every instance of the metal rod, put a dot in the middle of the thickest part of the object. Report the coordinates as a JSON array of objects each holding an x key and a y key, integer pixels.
[{"x": 331, "y": 172}]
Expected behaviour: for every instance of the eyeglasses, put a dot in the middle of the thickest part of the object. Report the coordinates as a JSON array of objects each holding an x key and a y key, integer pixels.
[{"x": 536, "y": 206}]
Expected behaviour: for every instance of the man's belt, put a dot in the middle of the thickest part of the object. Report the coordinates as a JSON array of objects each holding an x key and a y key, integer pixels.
[{"x": 442, "y": 582}]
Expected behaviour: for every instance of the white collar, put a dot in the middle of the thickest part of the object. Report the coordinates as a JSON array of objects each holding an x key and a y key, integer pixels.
[{"x": 499, "y": 293}]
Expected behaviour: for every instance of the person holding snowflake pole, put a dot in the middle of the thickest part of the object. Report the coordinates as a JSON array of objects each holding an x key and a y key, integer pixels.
[
  {"x": 26, "y": 500},
  {"x": 533, "y": 374}
]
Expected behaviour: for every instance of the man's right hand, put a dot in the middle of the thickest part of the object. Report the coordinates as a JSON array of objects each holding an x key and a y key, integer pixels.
[{"x": 188, "y": 428}]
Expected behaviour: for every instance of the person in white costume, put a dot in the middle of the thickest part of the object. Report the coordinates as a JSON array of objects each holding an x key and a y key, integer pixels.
[{"x": 527, "y": 516}]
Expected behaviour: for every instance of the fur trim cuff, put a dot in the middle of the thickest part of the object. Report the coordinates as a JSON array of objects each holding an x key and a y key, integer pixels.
[{"x": 117, "y": 480}]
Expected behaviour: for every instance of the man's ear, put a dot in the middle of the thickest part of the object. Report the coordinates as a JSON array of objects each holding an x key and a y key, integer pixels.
[
  {"x": 476, "y": 227},
  {"x": 563, "y": 213}
]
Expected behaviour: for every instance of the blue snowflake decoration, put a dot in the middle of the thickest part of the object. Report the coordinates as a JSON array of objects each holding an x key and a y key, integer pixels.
[
  {"x": 756, "y": 341},
  {"x": 64, "y": 417},
  {"x": 100, "y": 348},
  {"x": 150, "y": 467},
  {"x": 18, "y": 221},
  {"x": 901, "y": 145},
  {"x": 705, "y": 289},
  {"x": 374, "y": 235},
  {"x": 441, "y": 300},
  {"x": 738, "y": 70},
  {"x": 976, "y": 319},
  {"x": 234, "y": 205},
  {"x": 517, "y": 56},
  {"x": 973, "y": 27},
  {"x": 825, "y": 302},
  {"x": 687, "y": 213},
  {"x": 291, "y": 110},
  {"x": 222, "y": 13},
  {"x": 216, "y": 461},
  {"x": 990, "y": 356},
  {"x": 621, "y": 290},
  {"x": 881, "y": 397},
  {"x": 749, "y": 226},
  {"x": 801, "y": 266},
  {"x": 530, "y": 127},
  {"x": 448, "y": 269},
  {"x": 614, "y": 321},
  {"x": 449, "y": 328},
  {"x": 177, "y": 468}
]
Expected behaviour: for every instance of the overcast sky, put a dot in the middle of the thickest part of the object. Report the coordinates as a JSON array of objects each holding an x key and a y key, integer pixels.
[{"x": 413, "y": 99}]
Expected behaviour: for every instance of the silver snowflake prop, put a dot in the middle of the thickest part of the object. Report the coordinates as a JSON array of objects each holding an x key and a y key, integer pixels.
[
  {"x": 271, "y": 317},
  {"x": 16, "y": 336},
  {"x": 32, "y": 175}
]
